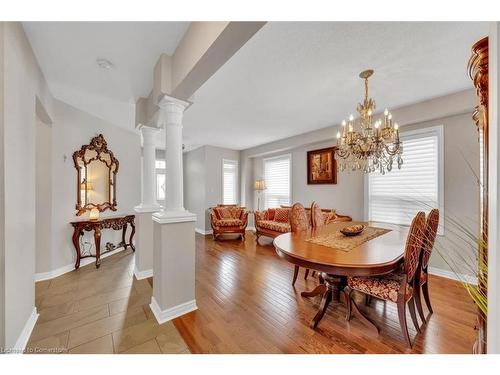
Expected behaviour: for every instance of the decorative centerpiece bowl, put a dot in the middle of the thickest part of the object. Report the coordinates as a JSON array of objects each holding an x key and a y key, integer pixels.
[{"x": 353, "y": 230}]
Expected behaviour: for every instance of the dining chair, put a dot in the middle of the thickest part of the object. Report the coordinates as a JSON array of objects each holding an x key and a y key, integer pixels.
[
  {"x": 422, "y": 282},
  {"x": 397, "y": 286},
  {"x": 298, "y": 222},
  {"x": 317, "y": 221},
  {"x": 317, "y": 217}
]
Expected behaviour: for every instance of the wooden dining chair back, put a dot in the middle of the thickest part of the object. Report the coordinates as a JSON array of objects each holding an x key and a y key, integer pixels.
[
  {"x": 298, "y": 218},
  {"x": 397, "y": 286},
  {"x": 422, "y": 282},
  {"x": 317, "y": 217},
  {"x": 413, "y": 246},
  {"x": 431, "y": 228},
  {"x": 298, "y": 222}
]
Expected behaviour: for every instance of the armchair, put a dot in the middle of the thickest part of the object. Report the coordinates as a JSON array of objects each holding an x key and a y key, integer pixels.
[{"x": 228, "y": 219}]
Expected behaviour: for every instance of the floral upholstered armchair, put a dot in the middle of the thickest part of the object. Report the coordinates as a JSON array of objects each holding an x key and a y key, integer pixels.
[{"x": 227, "y": 219}]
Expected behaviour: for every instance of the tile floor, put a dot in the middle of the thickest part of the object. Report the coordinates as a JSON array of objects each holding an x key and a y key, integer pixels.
[{"x": 103, "y": 310}]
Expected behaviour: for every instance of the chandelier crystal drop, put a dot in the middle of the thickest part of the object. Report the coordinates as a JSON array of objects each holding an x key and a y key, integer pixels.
[{"x": 375, "y": 146}]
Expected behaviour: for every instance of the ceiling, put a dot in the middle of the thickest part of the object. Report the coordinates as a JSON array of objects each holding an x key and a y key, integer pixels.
[
  {"x": 67, "y": 53},
  {"x": 290, "y": 78},
  {"x": 294, "y": 77}
]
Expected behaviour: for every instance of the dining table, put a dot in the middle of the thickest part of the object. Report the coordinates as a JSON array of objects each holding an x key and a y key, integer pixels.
[{"x": 377, "y": 251}]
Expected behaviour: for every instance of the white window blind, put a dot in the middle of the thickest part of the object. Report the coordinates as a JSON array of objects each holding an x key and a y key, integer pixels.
[
  {"x": 277, "y": 177},
  {"x": 398, "y": 195},
  {"x": 229, "y": 181}
]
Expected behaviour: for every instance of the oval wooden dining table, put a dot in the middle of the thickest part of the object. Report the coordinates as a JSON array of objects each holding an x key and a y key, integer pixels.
[{"x": 377, "y": 256}]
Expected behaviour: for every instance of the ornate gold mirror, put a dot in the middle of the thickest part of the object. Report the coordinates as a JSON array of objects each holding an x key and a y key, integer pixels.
[{"x": 96, "y": 176}]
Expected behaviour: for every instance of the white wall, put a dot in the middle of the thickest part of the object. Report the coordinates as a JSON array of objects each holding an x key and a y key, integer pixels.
[
  {"x": 72, "y": 129},
  {"x": 2, "y": 195},
  {"x": 203, "y": 181},
  {"x": 194, "y": 185},
  {"x": 23, "y": 84},
  {"x": 43, "y": 196},
  {"x": 493, "y": 335}
]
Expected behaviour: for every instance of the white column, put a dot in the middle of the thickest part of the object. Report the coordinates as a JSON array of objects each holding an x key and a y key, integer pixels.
[
  {"x": 144, "y": 223},
  {"x": 171, "y": 113},
  {"x": 174, "y": 237}
]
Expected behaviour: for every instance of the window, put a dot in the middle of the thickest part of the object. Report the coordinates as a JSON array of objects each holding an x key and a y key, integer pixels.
[
  {"x": 160, "y": 180},
  {"x": 277, "y": 177},
  {"x": 229, "y": 181},
  {"x": 418, "y": 186}
]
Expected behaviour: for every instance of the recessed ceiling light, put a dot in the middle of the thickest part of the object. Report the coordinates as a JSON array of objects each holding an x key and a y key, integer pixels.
[{"x": 104, "y": 63}]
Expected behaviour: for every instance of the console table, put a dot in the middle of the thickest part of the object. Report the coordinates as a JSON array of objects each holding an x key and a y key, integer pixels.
[{"x": 115, "y": 223}]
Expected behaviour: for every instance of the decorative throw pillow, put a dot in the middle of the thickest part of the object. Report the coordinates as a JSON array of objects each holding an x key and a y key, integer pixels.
[
  {"x": 282, "y": 215},
  {"x": 217, "y": 213},
  {"x": 270, "y": 213},
  {"x": 224, "y": 213}
]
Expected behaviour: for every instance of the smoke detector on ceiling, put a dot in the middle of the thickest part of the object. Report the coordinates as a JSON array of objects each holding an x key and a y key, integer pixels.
[{"x": 104, "y": 63}]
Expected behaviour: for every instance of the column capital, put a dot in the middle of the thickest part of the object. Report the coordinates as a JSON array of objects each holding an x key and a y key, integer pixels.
[
  {"x": 173, "y": 104},
  {"x": 148, "y": 132}
]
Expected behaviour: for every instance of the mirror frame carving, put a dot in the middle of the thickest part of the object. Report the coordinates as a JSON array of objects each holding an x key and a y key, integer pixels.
[{"x": 99, "y": 145}]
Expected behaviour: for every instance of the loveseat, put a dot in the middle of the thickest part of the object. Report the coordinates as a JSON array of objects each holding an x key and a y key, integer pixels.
[{"x": 275, "y": 221}]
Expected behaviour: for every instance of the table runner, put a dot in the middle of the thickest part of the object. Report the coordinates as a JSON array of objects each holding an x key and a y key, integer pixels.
[{"x": 338, "y": 241}]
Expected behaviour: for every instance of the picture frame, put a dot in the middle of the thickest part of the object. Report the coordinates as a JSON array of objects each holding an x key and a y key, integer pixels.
[{"x": 321, "y": 166}]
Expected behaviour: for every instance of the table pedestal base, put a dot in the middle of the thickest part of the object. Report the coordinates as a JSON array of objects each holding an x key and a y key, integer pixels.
[{"x": 330, "y": 289}]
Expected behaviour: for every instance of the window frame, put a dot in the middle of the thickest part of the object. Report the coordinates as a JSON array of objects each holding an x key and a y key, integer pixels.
[
  {"x": 236, "y": 179},
  {"x": 290, "y": 176},
  {"x": 157, "y": 172},
  {"x": 437, "y": 130}
]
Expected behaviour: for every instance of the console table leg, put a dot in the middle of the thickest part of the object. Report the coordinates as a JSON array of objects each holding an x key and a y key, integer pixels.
[
  {"x": 132, "y": 224},
  {"x": 97, "y": 239},
  {"x": 76, "y": 244},
  {"x": 124, "y": 231}
]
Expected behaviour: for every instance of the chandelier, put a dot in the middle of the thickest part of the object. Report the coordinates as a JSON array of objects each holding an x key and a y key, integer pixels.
[{"x": 376, "y": 144}]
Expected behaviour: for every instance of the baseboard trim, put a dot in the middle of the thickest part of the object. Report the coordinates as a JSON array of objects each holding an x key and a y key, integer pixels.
[
  {"x": 207, "y": 232},
  {"x": 70, "y": 267},
  {"x": 203, "y": 232},
  {"x": 173, "y": 312},
  {"x": 451, "y": 275},
  {"x": 139, "y": 275},
  {"x": 23, "y": 338}
]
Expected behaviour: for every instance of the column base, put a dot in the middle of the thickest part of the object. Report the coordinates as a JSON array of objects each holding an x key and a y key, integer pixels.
[
  {"x": 168, "y": 217},
  {"x": 173, "y": 266},
  {"x": 144, "y": 241},
  {"x": 163, "y": 316},
  {"x": 144, "y": 274}
]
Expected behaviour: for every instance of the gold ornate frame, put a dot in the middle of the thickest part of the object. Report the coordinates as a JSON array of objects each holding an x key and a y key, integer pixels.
[{"x": 100, "y": 147}]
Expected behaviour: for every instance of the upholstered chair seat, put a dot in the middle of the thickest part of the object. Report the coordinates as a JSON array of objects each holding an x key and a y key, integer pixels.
[
  {"x": 386, "y": 288},
  {"x": 228, "y": 222},
  {"x": 275, "y": 226}
]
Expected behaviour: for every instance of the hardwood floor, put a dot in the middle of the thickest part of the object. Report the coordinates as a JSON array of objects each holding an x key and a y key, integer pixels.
[
  {"x": 103, "y": 310},
  {"x": 247, "y": 305}
]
